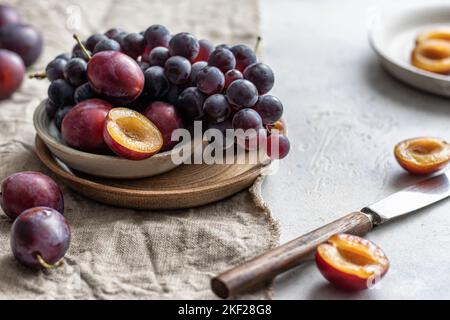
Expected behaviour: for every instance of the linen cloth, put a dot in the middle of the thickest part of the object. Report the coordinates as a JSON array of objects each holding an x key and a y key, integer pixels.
[{"x": 118, "y": 253}]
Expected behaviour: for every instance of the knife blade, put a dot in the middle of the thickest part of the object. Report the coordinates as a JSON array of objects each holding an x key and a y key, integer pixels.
[
  {"x": 267, "y": 266},
  {"x": 410, "y": 199}
]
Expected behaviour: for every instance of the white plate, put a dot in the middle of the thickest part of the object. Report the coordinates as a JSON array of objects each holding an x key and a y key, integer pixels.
[
  {"x": 99, "y": 165},
  {"x": 392, "y": 37}
]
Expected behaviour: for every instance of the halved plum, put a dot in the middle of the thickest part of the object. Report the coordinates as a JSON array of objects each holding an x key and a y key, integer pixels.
[
  {"x": 351, "y": 262},
  {"x": 422, "y": 155},
  {"x": 131, "y": 135}
]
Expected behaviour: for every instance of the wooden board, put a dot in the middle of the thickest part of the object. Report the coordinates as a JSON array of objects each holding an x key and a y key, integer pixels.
[{"x": 184, "y": 187}]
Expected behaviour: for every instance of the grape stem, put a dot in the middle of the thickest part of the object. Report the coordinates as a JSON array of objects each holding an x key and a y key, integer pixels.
[
  {"x": 38, "y": 75},
  {"x": 47, "y": 265},
  {"x": 83, "y": 48},
  {"x": 257, "y": 44}
]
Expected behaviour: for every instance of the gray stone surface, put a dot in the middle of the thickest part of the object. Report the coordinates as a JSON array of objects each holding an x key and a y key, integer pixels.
[{"x": 345, "y": 114}]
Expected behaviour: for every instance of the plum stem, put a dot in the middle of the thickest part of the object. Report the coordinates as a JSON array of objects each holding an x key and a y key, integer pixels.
[
  {"x": 47, "y": 265},
  {"x": 83, "y": 48},
  {"x": 38, "y": 75},
  {"x": 257, "y": 44}
]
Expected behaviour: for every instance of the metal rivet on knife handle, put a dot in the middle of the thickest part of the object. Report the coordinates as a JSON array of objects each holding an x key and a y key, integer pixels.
[{"x": 266, "y": 267}]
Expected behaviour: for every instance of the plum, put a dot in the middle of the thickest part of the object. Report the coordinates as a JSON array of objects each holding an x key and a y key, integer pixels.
[
  {"x": 8, "y": 15},
  {"x": 28, "y": 189},
  {"x": 166, "y": 118},
  {"x": 40, "y": 237},
  {"x": 82, "y": 126},
  {"x": 24, "y": 40},
  {"x": 12, "y": 71}
]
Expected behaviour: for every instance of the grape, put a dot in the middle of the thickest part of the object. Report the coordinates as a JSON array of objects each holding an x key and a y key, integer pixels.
[
  {"x": 143, "y": 65},
  {"x": 157, "y": 36},
  {"x": 50, "y": 108},
  {"x": 172, "y": 94},
  {"x": 210, "y": 80},
  {"x": 115, "y": 76},
  {"x": 216, "y": 108},
  {"x": 158, "y": 56},
  {"x": 119, "y": 37},
  {"x": 280, "y": 145},
  {"x": 84, "y": 92},
  {"x": 269, "y": 108},
  {"x": 107, "y": 45},
  {"x": 222, "y": 127},
  {"x": 92, "y": 41},
  {"x": 55, "y": 69},
  {"x": 206, "y": 47},
  {"x": 77, "y": 52},
  {"x": 184, "y": 44},
  {"x": 261, "y": 76},
  {"x": 12, "y": 71},
  {"x": 28, "y": 189},
  {"x": 133, "y": 45},
  {"x": 8, "y": 15},
  {"x": 232, "y": 75},
  {"x": 75, "y": 71},
  {"x": 166, "y": 119},
  {"x": 64, "y": 56},
  {"x": 40, "y": 233},
  {"x": 23, "y": 39},
  {"x": 242, "y": 93},
  {"x": 61, "y": 93},
  {"x": 111, "y": 33},
  {"x": 60, "y": 114},
  {"x": 246, "y": 119},
  {"x": 222, "y": 59},
  {"x": 140, "y": 103},
  {"x": 195, "y": 69},
  {"x": 190, "y": 103},
  {"x": 177, "y": 69},
  {"x": 156, "y": 83},
  {"x": 244, "y": 56},
  {"x": 223, "y": 46}
]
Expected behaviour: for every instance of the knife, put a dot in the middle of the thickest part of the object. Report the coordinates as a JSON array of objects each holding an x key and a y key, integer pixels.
[{"x": 267, "y": 266}]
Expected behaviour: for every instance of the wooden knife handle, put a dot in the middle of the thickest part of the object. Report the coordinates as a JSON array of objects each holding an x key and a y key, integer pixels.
[{"x": 267, "y": 266}]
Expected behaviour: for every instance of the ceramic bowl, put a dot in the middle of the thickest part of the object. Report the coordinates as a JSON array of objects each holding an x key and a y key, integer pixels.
[
  {"x": 392, "y": 37},
  {"x": 99, "y": 165}
]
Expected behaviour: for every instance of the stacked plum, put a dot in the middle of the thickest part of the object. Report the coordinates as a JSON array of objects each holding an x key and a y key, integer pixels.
[
  {"x": 171, "y": 80},
  {"x": 20, "y": 47},
  {"x": 40, "y": 235}
]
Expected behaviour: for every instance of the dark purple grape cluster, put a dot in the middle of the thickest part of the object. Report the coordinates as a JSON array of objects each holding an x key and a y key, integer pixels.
[{"x": 204, "y": 82}]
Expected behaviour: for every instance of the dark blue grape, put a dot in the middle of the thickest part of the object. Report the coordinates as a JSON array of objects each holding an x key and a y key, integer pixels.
[
  {"x": 269, "y": 108},
  {"x": 75, "y": 71},
  {"x": 216, "y": 108},
  {"x": 55, "y": 69},
  {"x": 107, "y": 45},
  {"x": 242, "y": 93},
  {"x": 177, "y": 70},
  {"x": 92, "y": 41},
  {"x": 210, "y": 80},
  {"x": 156, "y": 83},
  {"x": 157, "y": 36},
  {"x": 261, "y": 76},
  {"x": 190, "y": 103},
  {"x": 84, "y": 92},
  {"x": 223, "y": 59},
  {"x": 184, "y": 44},
  {"x": 61, "y": 93},
  {"x": 244, "y": 55},
  {"x": 133, "y": 45}
]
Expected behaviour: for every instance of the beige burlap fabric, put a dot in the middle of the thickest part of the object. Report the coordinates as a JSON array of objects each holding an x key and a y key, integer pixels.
[{"x": 117, "y": 253}]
